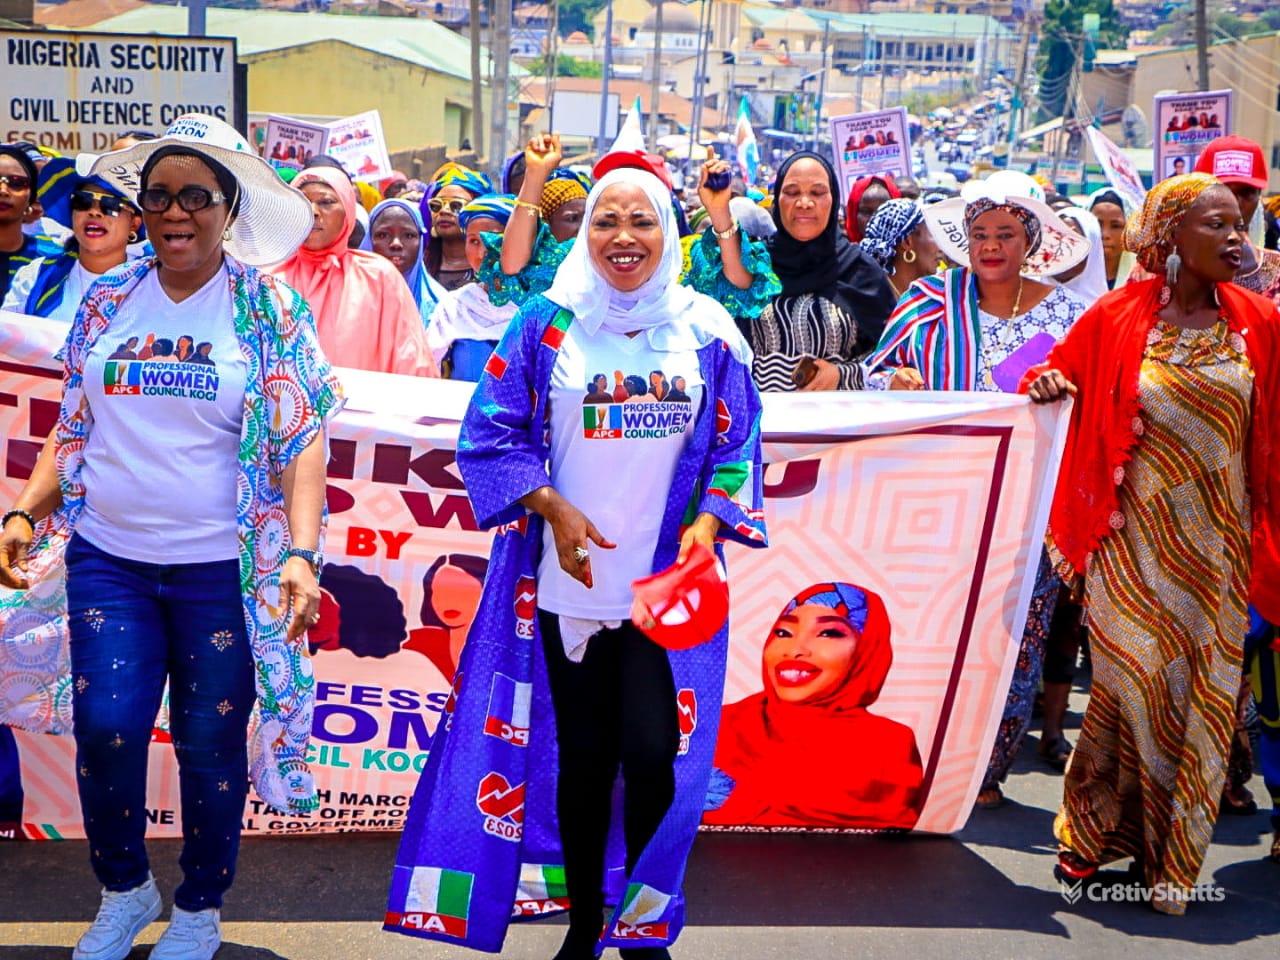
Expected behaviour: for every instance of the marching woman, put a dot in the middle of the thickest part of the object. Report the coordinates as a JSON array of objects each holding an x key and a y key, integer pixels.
[
  {"x": 898, "y": 239},
  {"x": 834, "y": 299},
  {"x": 365, "y": 313},
  {"x": 1166, "y": 505},
  {"x": 214, "y": 600},
  {"x": 103, "y": 224},
  {"x": 397, "y": 234},
  {"x": 559, "y": 690}
]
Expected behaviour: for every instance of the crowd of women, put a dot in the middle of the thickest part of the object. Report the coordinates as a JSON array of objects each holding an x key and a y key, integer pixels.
[{"x": 1160, "y": 556}]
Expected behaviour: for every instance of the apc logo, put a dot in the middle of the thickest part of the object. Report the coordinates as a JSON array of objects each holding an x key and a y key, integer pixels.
[
  {"x": 526, "y": 604},
  {"x": 503, "y": 807},
  {"x": 641, "y": 931},
  {"x": 508, "y": 716},
  {"x": 687, "y": 714}
]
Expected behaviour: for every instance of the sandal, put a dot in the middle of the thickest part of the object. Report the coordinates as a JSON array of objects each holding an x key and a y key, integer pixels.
[
  {"x": 1237, "y": 802},
  {"x": 1056, "y": 752},
  {"x": 989, "y": 798},
  {"x": 1074, "y": 866}
]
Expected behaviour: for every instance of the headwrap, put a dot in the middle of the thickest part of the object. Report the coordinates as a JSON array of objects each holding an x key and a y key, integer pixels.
[
  {"x": 476, "y": 184},
  {"x": 1149, "y": 234},
  {"x": 426, "y": 292},
  {"x": 772, "y": 747},
  {"x": 509, "y": 170},
  {"x": 1091, "y": 284},
  {"x": 1108, "y": 195},
  {"x": 23, "y": 158},
  {"x": 672, "y": 316},
  {"x": 362, "y": 307},
  {"x": 888, "y": 227},
  {"x": 860, "y": 186},
  {"x": 829, "y": 265},
  {"x": 1030, "y": 222},
  {"x": 397, "y": 176},
  {"x": 368, "y": 195},
  {"x": 495, "y": 206},
  {"x": 59, "y": 179},
  {"x": 558, "y": 191}
]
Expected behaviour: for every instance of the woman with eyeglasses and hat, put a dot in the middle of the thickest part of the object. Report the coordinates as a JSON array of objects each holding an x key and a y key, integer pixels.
[
  {"x": 588, "y": 496},
  {"x": 1167, "y": 510},
  {"x": 189, "y": 500},
  {"x": 445, "y": 255},
  {"x": 103, "y": 224},
  {"x": 18, "y": 181}
]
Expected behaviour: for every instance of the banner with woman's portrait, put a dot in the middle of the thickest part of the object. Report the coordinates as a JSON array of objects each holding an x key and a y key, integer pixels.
[{"x": 872, "y": 644}]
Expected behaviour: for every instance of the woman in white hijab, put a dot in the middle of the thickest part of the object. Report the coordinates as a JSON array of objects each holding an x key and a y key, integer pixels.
[
  {"x": 1087, "y": 280},
  {"x": 615, "y": 426}
]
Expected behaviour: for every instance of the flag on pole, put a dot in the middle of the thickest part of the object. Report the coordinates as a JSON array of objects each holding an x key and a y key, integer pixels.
[
  {"x": 744, "y": 139},
  {"x": 631, "y": 133}
]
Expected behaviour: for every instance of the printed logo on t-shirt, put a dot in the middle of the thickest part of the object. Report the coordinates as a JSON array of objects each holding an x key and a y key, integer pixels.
[
  {"x": 636, "y": 407},
  {"x": 162, "y": 367}
]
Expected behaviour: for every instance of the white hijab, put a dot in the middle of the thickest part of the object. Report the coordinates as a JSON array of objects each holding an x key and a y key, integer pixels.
[
  {"x": 671, "y": 315},
  {"x": 1092, "y": 283}
]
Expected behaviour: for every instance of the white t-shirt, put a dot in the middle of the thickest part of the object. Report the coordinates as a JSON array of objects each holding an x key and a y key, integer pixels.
[
  {"x": 78, "y": 282},
  {"x": 161, "y": 462},
  {"x": 614, "y": 449}
]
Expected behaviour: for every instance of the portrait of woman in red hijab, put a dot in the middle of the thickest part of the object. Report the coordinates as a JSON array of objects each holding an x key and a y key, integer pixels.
[{"x": 806, "y": 751}]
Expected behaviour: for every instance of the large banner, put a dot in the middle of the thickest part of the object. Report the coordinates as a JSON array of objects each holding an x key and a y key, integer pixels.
[
  {"x": 1118, "y": 167},
  {"x": 77, "y": 92},
  {"x": 936, "y": 503}
]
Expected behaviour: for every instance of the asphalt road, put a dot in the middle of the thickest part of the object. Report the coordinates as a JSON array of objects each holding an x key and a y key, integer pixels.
[{"x": 987, "y": 893}]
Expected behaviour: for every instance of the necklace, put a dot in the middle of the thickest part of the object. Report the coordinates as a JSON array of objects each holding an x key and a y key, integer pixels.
[
  {"x": 896, "y": 292},
  {"x": 1017, "y": 302}
]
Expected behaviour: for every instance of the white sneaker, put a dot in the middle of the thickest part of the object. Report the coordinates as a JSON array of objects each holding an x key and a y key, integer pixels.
[
  {"x": 120, "y": 919},
  {"x": 190, "y": 936}
]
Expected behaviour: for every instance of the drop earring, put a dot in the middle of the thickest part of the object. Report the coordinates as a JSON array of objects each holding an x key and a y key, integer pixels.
[{"x": 1171, "y": 268}]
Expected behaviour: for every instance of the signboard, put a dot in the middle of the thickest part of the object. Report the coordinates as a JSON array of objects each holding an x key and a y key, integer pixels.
[
  {"x": 1118, "y": 167},
  {"x": 578, "y": 114},
  {"x": 1183, "y": 126},
  {"x": 1071, "y": 172},
  {"x": 867, "y": 143},
  {"x": 936, "y": 503},
  {"x": 78, "y": 92},
  {"x": 356, "y": 142}
]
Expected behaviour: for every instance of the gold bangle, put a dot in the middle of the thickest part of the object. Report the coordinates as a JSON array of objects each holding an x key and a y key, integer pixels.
[
  {"x": 531, "y": 207},
  {"x": 725, "y": 234}
]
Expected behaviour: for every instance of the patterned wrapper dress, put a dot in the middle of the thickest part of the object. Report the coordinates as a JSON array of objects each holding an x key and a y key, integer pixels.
[{"x": 1167, "y": 598}]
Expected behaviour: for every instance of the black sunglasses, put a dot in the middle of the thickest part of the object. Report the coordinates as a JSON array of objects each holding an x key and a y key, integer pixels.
[
  {"x": 16, "y": 181},
  {"x": 83, "y": 200},
  {"x": 190, "y": 199}
]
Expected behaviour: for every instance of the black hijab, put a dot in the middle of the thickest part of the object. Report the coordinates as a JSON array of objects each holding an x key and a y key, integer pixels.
[{"x": 829, "y": 265}]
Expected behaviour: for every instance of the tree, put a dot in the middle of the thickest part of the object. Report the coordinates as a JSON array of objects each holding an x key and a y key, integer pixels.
[
  {"x": 577, "y": 14},
  {"x": 566, "y": 66},
  {"x": 1060, "y": 39}
]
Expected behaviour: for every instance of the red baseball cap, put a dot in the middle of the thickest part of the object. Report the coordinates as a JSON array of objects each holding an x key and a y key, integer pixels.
[
  {"x": 1234, "y": 160},
  {"x": 684, "y": 605},
  {"x": 638, "y": 159}
]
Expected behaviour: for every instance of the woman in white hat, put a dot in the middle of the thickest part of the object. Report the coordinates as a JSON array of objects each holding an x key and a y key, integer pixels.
[
  {"x": 185, "y": 479},
  {"x": 982, "y": 326}
]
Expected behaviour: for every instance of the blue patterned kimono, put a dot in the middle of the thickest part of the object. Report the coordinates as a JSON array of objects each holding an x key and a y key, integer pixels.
[{"x": 463, "y": 873}]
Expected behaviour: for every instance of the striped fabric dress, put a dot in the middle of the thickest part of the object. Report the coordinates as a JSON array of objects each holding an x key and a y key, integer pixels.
[{"x": 1167, "y": 614}]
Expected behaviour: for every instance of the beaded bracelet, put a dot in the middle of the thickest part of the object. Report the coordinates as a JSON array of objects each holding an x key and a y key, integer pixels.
[{"x": 18, "y": 513}]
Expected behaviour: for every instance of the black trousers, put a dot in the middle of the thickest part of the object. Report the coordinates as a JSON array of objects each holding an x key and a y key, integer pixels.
[{"x": 615, "y": 708}]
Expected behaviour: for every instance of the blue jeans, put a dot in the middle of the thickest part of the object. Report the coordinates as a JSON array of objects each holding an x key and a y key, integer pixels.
[
  {"x": 1263, "y": 666},
  {"x": 133, "y": 625}
]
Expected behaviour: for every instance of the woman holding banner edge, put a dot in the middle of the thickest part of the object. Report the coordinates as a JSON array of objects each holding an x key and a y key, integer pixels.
[{"x": 215, "y": 600}]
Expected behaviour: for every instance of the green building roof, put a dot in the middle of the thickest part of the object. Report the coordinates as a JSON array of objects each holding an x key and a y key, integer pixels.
[
  {"x": 422, "y": 42},
  {"x": 961, "y": 25}
]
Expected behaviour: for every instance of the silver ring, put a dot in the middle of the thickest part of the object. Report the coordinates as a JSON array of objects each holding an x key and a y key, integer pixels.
[{"x": 580, "y": 554}]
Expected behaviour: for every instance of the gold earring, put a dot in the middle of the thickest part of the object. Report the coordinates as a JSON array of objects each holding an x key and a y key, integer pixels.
[
  {"x": 133, "y": 236},
  {"x": 908, "y": 255},
  {"x": 226, "y": 234}
]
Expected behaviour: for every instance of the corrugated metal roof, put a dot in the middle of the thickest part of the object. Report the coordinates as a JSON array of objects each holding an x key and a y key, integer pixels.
[
  {"x": 941, "y": 25},
  {"x": 418, "y": 41}
]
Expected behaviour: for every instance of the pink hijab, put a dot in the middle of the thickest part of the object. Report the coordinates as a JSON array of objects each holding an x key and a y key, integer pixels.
[{"x": 365, "y": 314}]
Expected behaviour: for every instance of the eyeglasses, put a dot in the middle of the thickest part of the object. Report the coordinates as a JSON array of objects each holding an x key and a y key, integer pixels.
[
  {"x": 453, "y": 205},
  {"x": 190, "y": 199},
  {"x": 83, "y": 200},
  {"x": 16, "y": 181}
]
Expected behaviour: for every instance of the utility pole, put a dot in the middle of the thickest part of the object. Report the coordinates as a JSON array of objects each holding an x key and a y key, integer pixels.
[
  {"x": 862, "y": 68},
  {"x": 902, "y": 66},
  {"x": 499, "y": 83},
  {"x": 655, "y": 82},
  {"x": 1070, "y": 109},
  {"x": 195, "y": 18},
  {"x": 1202, "y": 43},
  {"x": 881, "y": 64},
  {"x": 552, "y": 63},
  {"x": 1020, "y": 81},
  {"x": 822, "y": 86},
  {"x": 477, "y": 80},
  {"x": 700, "y": 81},
  {"x": 602, "y": 141}
]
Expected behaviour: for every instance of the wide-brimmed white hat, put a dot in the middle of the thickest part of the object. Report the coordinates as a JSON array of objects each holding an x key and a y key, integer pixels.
[
  {"x": 1061, "y": 248},
  {"x": 274, "y": 219}
]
